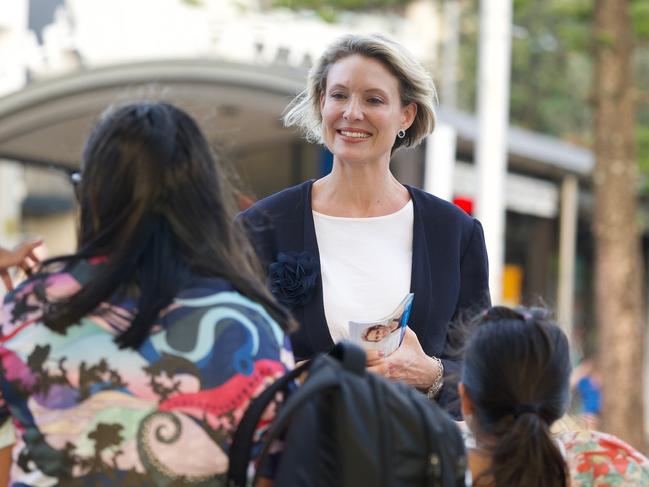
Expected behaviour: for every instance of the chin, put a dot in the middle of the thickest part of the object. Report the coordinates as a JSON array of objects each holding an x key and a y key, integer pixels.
[
  {"x": 351, "y": 154},
  {"x": 348, "y": 158}
]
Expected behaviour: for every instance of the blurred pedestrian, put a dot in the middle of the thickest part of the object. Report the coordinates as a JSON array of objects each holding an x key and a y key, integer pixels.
[{"x": 586, "y": 384}]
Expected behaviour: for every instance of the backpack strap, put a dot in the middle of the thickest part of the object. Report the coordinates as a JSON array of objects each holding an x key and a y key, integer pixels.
[
  {"x": 352, "y": 357},
  {"x": 239, "y": 453},
  {"x": 325, "y": 379}
]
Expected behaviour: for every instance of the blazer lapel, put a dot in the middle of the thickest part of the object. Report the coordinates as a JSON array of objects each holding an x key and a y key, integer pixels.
[
  {"x": 314, "y": 321},
  {"x": 421, "y": 281}
]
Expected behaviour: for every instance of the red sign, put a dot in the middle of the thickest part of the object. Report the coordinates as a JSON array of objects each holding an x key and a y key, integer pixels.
[{"x": 465, "y": 203}]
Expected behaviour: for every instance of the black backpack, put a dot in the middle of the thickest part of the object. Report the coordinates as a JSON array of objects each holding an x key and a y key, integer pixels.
[{"x": 346, "y": 427}]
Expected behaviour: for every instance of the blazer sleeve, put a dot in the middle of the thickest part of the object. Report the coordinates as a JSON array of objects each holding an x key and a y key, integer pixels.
[
  {"x": 474, "y": 275},
  {"x": 474, "y": 296}
]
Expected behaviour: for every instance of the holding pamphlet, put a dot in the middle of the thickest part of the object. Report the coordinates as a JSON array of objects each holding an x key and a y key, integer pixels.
[{"x": 386, "y": 333}]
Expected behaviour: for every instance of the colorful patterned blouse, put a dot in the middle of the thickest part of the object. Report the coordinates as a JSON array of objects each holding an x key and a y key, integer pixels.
[
  {"x": 596, "y": 459},
  {"x": 89, "y": 413}
]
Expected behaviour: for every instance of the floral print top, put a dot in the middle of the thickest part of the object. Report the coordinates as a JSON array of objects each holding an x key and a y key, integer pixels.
[
  {"x": 597, "y": 459},
  {"x": 89, "y": 413},
  {"x": 594, "y": 459}
]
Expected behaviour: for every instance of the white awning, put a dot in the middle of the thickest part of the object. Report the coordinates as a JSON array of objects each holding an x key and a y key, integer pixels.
[{"x": 236, "y": 105}]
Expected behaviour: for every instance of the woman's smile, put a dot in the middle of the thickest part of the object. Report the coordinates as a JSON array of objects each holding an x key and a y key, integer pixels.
[{"x": 355, "y": 135}]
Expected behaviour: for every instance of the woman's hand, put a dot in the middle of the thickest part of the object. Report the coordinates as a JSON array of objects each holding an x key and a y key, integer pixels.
[
  {"x": 408, "y": 363},
  {"x": 22, "y": 256}
]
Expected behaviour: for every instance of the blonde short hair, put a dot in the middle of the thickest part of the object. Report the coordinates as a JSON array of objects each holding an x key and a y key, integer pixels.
[{"x": 415, "y": 86}]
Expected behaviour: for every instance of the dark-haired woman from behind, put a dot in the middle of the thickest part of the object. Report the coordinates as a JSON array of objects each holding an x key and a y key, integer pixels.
[
  {"x": 131, "y": 361},
  {"x": 515, "y": 386}
]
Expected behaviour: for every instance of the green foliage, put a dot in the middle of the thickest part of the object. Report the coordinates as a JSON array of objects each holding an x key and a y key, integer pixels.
[
  {"x": 580, "y": 11},
  {"x": 551, "y": 74},
  {"x": 639, "y": 11},
  {"x": 328, "y": 10},
  {"x": 551, "y": 68},
  {"x": 605, "y": 39},
  {"x": 338, "y": 4},
  {"x": 575, "y": 35},
  {"x": 642, "y": 137}
]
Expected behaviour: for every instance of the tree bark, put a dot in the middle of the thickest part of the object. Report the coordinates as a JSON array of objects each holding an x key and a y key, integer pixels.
[{"x": 618, "y": 258}]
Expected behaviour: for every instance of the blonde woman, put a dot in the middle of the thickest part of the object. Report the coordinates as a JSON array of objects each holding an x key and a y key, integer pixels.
[{"x": 352, "y": 244}]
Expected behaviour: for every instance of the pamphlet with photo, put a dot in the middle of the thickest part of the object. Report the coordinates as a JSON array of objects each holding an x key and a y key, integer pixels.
[{"x": 384, "y": 334}]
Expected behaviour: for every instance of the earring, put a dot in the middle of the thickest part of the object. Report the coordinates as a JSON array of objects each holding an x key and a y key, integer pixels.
[{"x": 401, "y": 134}]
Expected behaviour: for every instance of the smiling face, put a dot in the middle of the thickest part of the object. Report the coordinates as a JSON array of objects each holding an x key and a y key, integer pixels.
[
  {"x": 376, "y": 333},
  {"x": 362, "y": 110}
]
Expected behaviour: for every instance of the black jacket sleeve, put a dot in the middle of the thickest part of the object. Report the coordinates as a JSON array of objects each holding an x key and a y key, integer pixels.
[{"x": 474, "y": 296}]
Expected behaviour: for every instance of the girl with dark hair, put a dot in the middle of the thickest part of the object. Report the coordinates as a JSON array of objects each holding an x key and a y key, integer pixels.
[
  {"x": 515, "y": 385},
  {"x": 131, "y": 361}
]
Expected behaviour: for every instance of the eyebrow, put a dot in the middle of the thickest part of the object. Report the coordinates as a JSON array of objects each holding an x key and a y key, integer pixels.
[{"x": 371, "y": 90}]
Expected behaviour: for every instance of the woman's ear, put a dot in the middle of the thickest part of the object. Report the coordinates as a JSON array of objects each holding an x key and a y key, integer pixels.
[
  {"x": 409, "y": 112},
  {"x": 465, "y": 401}
]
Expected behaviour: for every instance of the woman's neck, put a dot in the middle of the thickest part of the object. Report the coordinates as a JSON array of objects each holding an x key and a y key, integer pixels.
[
  {"x": 479, "y": 463},
  {"x": 359, "y": 192}
]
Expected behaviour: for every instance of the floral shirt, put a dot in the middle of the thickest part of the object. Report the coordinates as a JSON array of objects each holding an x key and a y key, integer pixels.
[
  {"x": 597, "y": 459},
  {"x": 89, "y": 413},
  {"x": 594, "y": 459}
]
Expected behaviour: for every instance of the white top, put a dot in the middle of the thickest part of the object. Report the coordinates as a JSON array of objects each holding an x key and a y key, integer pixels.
[{"x": 365, "y": 264}]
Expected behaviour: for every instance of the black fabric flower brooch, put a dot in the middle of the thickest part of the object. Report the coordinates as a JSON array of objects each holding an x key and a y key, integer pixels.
[{"x": 293, "y": 278}]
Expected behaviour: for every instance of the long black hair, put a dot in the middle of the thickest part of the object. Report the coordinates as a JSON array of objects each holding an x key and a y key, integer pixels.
[
  {"x": 517, "y": 376},
  {"x": 154, "y": 204}
]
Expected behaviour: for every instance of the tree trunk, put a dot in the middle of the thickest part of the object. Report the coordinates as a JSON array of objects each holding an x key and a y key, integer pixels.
[{"x": 618, "y": 258}]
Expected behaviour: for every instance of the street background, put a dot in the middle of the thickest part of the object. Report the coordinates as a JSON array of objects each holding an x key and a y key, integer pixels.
[{"x": 543, "y": 133}]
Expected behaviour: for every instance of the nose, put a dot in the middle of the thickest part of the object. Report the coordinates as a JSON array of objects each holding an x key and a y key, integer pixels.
[{"x": 353, "y": 109}]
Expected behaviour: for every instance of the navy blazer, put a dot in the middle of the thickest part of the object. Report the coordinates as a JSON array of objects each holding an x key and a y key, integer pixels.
[{"x": 449, "y": 270}]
